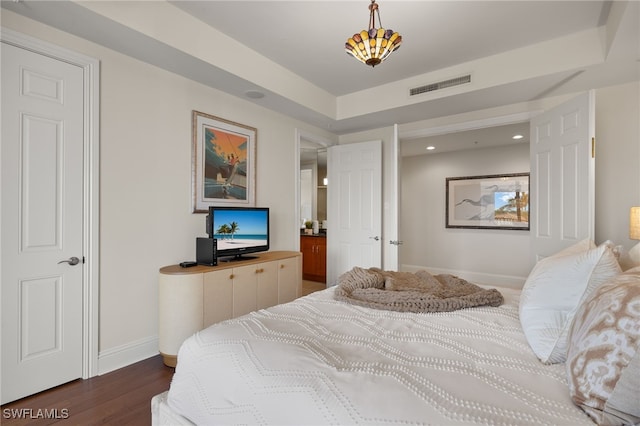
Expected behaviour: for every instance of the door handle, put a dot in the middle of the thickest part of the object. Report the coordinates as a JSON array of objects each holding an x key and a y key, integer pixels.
[
  {"x": 396, "y": 242},
  {"x": 71, "y": 261},
  {"x": 375, "y": 238}
]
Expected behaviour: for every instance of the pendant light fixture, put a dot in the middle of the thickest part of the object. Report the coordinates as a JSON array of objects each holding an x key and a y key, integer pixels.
[{"x": 374, "y": 45}]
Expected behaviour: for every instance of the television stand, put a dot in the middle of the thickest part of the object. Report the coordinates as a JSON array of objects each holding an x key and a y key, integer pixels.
[{"x": 191, "y": 299}]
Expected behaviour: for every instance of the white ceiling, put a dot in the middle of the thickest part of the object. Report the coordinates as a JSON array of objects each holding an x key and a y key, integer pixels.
[
  {"x": 293, "y": 51},
  {"x": 308, "y": 37}
]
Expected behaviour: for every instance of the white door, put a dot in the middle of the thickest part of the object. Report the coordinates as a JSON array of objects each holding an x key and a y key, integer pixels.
[
  {"x": 354, "y": 208},
  {"x": 562, "y": 176},
  {"x": 42, "y": 222}
]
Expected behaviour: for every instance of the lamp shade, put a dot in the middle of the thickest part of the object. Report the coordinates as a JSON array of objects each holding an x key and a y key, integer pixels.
[
  {"x": 373, "y": 46},
  {"x": 634, "y": 223}
]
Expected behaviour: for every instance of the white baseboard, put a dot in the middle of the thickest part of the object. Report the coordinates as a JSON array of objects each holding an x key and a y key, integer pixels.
[
  {"x": 474, "y": 277},
  {"x": 121, "y": 356}
]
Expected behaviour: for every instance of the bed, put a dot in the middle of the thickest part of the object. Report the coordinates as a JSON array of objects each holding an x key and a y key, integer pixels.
[{"x": 320, "y": 361}]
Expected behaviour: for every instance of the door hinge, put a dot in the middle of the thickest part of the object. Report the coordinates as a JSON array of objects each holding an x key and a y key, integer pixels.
[{"x": 593, "y": 147}]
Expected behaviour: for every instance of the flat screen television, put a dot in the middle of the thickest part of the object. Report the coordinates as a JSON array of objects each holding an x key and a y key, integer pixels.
[{"x": 239, "y": 231}]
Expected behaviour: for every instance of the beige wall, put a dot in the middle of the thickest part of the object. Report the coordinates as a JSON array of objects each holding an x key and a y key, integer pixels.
[{"x": 617, "y": 161}]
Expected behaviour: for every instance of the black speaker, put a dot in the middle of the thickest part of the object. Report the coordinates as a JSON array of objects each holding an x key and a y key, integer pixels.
[{"x": 207, "y": 251}]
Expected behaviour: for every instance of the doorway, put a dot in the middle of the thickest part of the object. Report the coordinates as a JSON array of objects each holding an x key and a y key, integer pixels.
[
  {"x": 564, "y": 167},
  {"x": 458, "y": 153},
  {"x": 311, "y": 208}
]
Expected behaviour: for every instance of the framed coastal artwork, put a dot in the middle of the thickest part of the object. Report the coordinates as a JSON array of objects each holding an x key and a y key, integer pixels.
[
  {"x": 488, "y": 202},
  {"x": 223, "y": 162}
]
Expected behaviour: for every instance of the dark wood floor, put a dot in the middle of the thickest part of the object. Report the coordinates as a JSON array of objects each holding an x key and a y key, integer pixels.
[
  {"x": 122, "y": 397},
  {"x": 309, "y": 287}
]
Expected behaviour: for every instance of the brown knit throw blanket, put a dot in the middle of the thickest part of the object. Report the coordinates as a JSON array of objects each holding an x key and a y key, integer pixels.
[{"x": 409, "y": 292}]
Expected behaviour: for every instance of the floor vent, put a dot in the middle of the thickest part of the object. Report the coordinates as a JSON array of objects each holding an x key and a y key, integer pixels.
[{"x": 440, "y": 85}]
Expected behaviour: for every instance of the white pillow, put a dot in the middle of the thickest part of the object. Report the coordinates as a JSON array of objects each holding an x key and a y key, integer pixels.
[{"x": 552, "y": 293}]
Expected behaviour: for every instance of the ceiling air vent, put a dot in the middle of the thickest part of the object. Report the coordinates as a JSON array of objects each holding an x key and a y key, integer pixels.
[{"x": 440, "y": 85}]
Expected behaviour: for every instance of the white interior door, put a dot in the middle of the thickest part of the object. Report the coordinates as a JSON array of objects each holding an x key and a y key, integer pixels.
[
  {"x": 354, "y": 209},
  {"x": 562, "y": 176},
  {"x": 42, "y": 222}
]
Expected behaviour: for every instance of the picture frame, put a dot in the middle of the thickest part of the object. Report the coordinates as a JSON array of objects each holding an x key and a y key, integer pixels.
[
  {"x": 223, "y": 162},
  {"x": 488, "y": 202}
]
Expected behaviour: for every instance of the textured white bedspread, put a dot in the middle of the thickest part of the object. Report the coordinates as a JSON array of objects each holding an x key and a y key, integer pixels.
[{"x": 320, "y": 361}]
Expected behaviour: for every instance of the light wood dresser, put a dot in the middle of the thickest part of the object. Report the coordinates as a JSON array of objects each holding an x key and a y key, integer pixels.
[{"x": 191, "y": 299}]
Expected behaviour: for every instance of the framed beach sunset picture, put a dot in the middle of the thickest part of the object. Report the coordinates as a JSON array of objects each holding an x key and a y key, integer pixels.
[{"x": 223, "y": 162}]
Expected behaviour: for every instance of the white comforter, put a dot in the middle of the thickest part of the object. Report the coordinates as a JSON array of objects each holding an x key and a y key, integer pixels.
[{"x": 320, "y": 361}]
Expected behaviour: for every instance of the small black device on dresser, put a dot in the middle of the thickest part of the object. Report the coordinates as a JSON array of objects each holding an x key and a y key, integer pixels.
[{"x": 207, "y": 251}]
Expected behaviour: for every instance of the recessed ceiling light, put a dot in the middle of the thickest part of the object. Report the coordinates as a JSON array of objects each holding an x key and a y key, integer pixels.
[
  {"x": 431, "y": 148},
  {"x": 254, "y": 94},
  {"x": 517, "y": 137}
]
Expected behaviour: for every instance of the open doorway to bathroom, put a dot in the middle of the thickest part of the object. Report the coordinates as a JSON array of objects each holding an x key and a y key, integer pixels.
[{"x": 311, "y": 213}]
